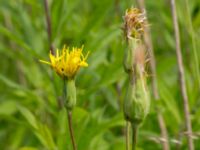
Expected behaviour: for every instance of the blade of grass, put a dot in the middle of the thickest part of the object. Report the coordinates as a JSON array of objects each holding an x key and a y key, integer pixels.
[
  {"x": 182, "y": 77},
  {"x": 194, "y": 48}
]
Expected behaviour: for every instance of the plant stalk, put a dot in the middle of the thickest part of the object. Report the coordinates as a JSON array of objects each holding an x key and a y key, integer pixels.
[
  {"x": 182, "y": 78},
  {"x": 134, "y": 136},
  {"x": 69, "y": 117},
  {"x": 48, "y": 21},
  {"x": 127, "y": 135},
  {"x": 50, "y": 44},
  {"x": 149, "y": 46}
]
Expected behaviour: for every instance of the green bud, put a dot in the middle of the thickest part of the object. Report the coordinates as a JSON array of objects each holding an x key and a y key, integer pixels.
[
  {"x": 128, "y": 60},
  {"x": 136, "y": 103},
  {"x": 71, "y": 94},
  {"x": 129, "y": 55}
]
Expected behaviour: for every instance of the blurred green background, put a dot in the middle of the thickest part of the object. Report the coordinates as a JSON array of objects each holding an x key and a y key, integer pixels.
[{"x": 30, "y": 117}]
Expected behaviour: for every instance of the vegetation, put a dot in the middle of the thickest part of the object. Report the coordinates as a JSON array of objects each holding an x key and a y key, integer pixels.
[{"x": 32, "y": 112}]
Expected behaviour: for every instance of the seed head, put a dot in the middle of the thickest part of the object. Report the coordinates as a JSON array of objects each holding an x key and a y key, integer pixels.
[{"x": 135, "y": 22}]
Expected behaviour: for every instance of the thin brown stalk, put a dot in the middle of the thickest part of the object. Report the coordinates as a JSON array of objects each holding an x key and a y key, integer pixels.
[
  {"x": 49, "y": 33},
  {"x": 69, "y": 115},
  {"x": 182, "y": 78},
  {"x": 163, "y": 129},
  {"x": 48, "y": 21},
  {"x": 149, "y": 46}
]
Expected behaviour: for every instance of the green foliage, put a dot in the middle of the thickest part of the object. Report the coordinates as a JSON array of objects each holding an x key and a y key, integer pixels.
[{"x": 30, "y": 118}]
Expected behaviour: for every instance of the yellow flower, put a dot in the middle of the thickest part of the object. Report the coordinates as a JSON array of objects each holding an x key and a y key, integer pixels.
[{"x": 66, "y": 63}]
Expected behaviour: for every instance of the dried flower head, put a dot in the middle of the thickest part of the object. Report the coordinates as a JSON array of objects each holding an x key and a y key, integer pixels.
[
  {"x": 66, "y": 63},
  {"x": 135, "y": 22}
]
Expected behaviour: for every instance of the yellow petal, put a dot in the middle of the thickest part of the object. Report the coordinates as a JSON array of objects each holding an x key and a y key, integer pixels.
[
  {"x": 45, "y": 62},
  {"x": 83, "y": 64},
  {"x": 52, "y": 59}
]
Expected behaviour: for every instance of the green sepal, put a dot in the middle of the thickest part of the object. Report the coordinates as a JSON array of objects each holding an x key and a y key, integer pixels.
[
  {"x": 70, "y": 101},
  {"x": 129, "y": 55}
]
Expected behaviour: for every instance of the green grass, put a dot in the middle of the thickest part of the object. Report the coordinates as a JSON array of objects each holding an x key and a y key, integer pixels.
[{"x": 29, "y": 113}]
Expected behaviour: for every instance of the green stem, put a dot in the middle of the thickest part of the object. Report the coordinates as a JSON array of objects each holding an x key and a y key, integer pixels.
[
  {"x": 134, "y": 136},
  {"x": 69, "y": 116},
  {"x": 127, "y": 135},
  {"x": 64, "y": 90}
]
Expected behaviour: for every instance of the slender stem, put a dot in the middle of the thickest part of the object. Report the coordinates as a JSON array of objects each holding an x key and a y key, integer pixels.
[
  {"x": 164, "y": 133},
  {"x": 134, "y": 136},
  {"x": 182, "y": 78},
  {"x": 127, "y": 135},
  {"x": 49, "y": 32},
  {"x": 69, "y": 115},
  {"x": 149, "y": 46},
  {"x": 48, "y": 20}
]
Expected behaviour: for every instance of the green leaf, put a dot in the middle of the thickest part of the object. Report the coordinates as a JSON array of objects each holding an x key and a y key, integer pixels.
[
  {"x": 8, "y": 107},
  {"x": 28, "y": 116},
  {"x": 28, "y": 148}
]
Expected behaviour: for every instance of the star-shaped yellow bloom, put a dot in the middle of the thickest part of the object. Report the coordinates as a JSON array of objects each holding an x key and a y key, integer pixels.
[{"x": 66, "y": 63}]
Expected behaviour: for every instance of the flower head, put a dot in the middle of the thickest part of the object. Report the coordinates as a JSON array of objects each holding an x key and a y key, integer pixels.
[
  {"x": 135, "y": 22},
  {"x": 66, "y": 63}
]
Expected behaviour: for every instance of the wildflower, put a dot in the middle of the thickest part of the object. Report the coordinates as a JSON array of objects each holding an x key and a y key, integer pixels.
[
  {"x": 137, "y": 99},
  {"x": 66, "y": 63},
  {"x": 135, "y": 22}
]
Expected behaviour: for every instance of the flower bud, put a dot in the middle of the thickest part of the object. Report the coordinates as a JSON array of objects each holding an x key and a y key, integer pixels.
[{"x": 136, "y": 103}]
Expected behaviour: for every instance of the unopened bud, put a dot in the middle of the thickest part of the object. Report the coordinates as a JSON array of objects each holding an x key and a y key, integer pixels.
[
  {"x": 70, "y": 94},
  {"x": 136, "y": 103}
]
